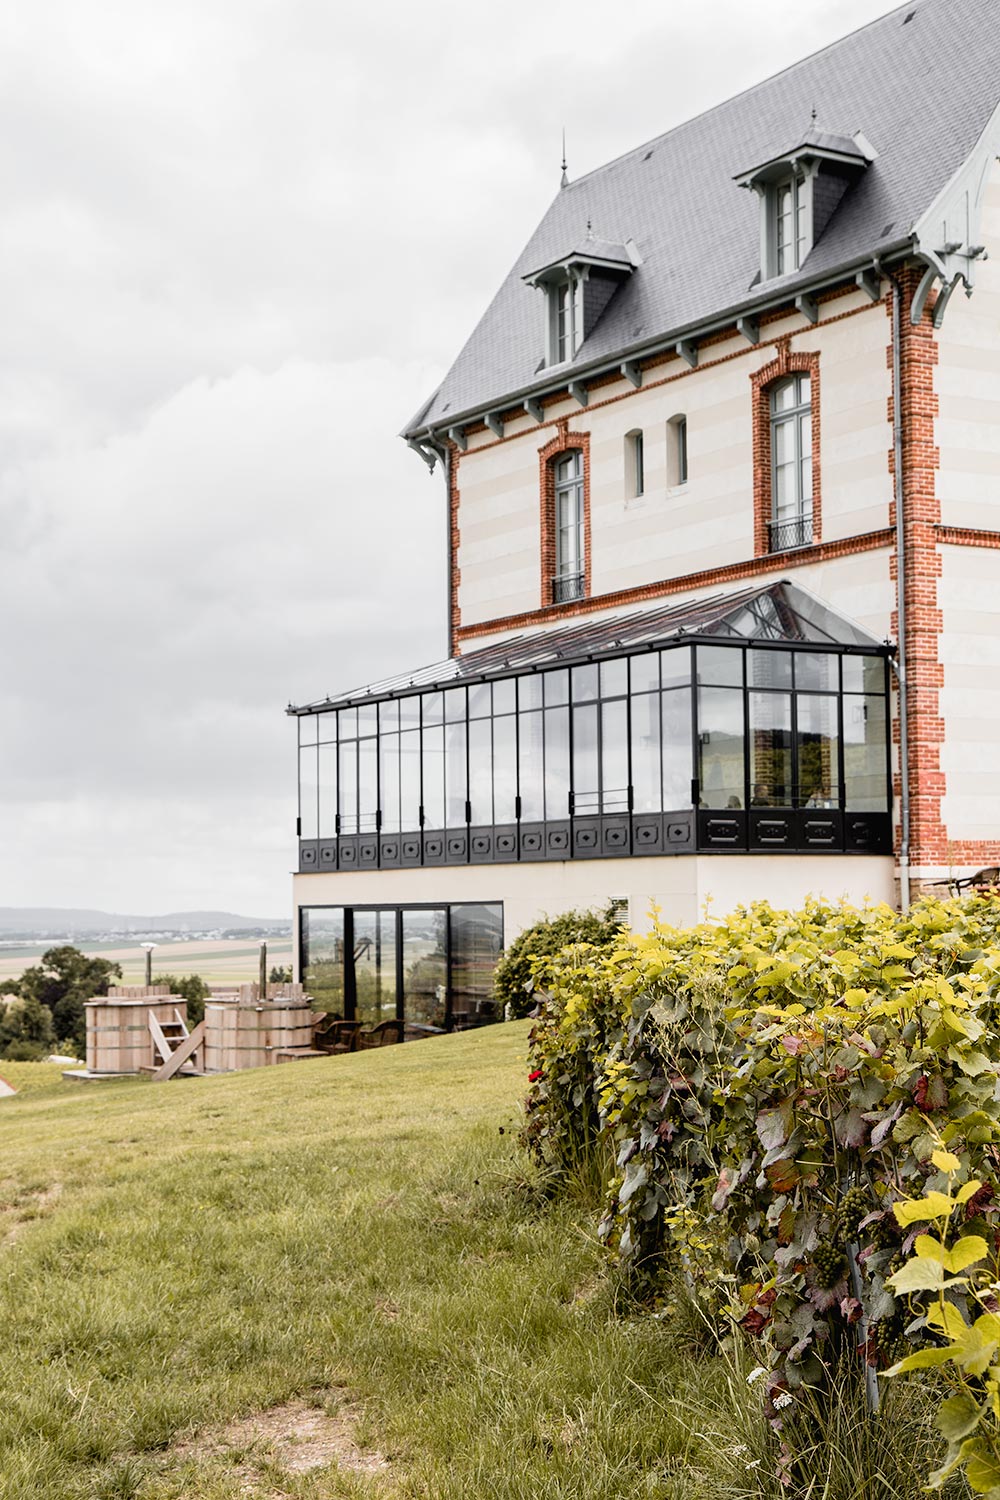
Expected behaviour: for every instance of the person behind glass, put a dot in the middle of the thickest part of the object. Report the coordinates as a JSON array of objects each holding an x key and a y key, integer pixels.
[
  {"x": 760, "y": 796},
  {"x": 820, "y": 797},
  {"x": 734, "y": 803}
]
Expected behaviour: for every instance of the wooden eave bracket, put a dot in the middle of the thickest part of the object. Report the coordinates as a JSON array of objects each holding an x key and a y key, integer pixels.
[
  {"x": 632, "y": 370},
  {"x": 750, "y": 329},
  {"x": 495, "y": 423},
  {"x": 534, "y": 408},
  {"x": 687, "y": 349},
  {"x": 579, "y": 392},
  {"x": 458, "y": 437},
  {"x": 808, "y": 307}
]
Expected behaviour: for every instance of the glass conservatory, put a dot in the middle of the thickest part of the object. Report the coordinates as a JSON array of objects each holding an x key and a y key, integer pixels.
[{"x": 753, "y": 721}]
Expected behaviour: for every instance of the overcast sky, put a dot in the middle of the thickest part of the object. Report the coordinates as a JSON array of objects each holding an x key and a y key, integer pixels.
[{"x": 240, "y": 243}]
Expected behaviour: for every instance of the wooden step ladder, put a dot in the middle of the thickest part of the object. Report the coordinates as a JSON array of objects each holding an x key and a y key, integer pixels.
[{"x": 180, "y": 1051}]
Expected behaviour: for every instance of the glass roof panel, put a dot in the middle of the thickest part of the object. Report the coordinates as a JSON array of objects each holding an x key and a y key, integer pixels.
[{"x": 777, "y": 612}]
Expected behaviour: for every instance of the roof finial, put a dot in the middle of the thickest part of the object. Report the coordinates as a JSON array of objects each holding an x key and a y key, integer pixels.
[
  {"x": 590, "y": 228},
  {"x": 565, "y": 179},
  {"x": 814, "y": 114}
]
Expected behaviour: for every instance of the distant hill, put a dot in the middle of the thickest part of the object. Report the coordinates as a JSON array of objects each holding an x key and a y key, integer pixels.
[{"x": 59, "y": 921}]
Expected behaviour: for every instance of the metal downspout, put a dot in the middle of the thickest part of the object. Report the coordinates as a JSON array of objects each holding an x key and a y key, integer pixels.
[{"x": 904, "y": 713}]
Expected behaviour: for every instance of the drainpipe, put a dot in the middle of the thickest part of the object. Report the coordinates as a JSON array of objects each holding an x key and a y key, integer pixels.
[{"x": 904, "y": 713}]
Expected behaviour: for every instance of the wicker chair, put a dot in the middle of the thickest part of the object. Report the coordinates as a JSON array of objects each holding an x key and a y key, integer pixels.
[
  {"x": 335, "y": 1035},
  {"x": 385, "y": 1034}
]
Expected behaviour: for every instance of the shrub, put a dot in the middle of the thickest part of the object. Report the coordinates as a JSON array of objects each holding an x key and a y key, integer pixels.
[
  {"x": 518, "y": 971},
  {"x": 194, "y": 990},
  {"x": 782, "y": 1081},
  {"x": 26, "y": 1032}
]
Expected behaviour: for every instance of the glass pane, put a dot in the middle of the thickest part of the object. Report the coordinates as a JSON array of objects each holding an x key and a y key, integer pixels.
[
  {"x": 480, "y": 700},
  {"x": 770, "y": 669},
  {"x": 644, "y": 673},
  {"x": 367, "y": 784},
  {"x": 529, "y": 692},
  {"x": 327, "y": 727},
  {"x": 675, "y": 667},
  {"x": 327, "y": 791},
  {"x": 308, "y": 791},
  {"x": 476, "y": 945},
  {"x": 433, "y": 708},
  {"x": 503, "y": 696},
  {"x": 504, "y": 769},
  {"x": 456, "y": 789},
  {"x": 614, "y": 678},
  {"x": 308, "y": 726},
  {"x": 646, "y": 752},
  {"x": 614, "y": 756},
  {"x": 375, "y": 965},
  {"x": 585, "y": 782},
  {"x": 481, "y": 771},
  {"x": 425, "y": 967},
  {"x": 409, "y": 712},
  {"x": 865, "y": 774},
  {"x": 409, "y": 781},
  {"x": 348, "y": 723},
  {"x": 816, "y": 670},
  {"x": 819, "y": 751},
  {"x": 368, "y": 718},
  {"x": 531, "y": 769},
  {"x": 720, "y": 747},
  {"x": 720, "y": 666},
  {"x": 454, "y": 705},
  {"x": 584, "y": 683},
  {"x": 770, "y": 750},
  {"x": 556, "y": 685},
  {"x": 321, "y": 954},
  {"x": 433, "y": 778},
  {"x": 556, "y": 762},
  {"x": 389, "y": 780},
  {"x": 864, "y": 674},
  {"x": 388, "y": 717},
  {"x": 677, "y": 737},
  {"x": 349, "y": 787}
]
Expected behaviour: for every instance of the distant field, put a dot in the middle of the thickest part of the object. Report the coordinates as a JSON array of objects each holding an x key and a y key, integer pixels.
[{"x": 219, "y": 961}]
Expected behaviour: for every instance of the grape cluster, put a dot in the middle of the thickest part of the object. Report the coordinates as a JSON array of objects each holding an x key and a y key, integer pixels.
[
  {"x": 888, "y": 1340},
  {"x": 829, "y": 1264},
  {"x": 855, "y": 1205}
]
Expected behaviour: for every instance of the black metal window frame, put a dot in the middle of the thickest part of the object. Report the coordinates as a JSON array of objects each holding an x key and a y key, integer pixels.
[
  {"x": 595, "y": 827},
  {"x": 381, "y": 907}
]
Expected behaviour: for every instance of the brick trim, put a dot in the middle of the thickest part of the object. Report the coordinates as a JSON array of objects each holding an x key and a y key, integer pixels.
[
  {"x": 564, "y": 441},
  {"x": 775, "y": 562},
  {"x": 967, "y": 536},
  {"x": 762, "y": 383},
  {"x": 454, "y": 538}
]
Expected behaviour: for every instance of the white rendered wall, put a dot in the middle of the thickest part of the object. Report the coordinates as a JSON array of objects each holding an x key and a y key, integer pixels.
[
  {"x": 969, "y": 596},
  {"x": 680, "y": 887},
  {"x": 967, "y": 382},
  {"x": 707, "y": 523}
]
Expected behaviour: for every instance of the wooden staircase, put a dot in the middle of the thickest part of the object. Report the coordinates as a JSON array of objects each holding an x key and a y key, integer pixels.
[{"x": 180, "y": 1052}]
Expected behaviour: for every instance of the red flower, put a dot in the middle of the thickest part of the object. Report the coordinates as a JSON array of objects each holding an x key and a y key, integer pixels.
[{"x": 534, "y": 1077}]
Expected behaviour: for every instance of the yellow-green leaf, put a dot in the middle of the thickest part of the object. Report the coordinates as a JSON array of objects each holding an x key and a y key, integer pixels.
[
  {"x": 957, "y": 1417},
  {"x": 966, "y": 1252},
  {"x": 921, "y": 1274},
  {"x": 923, "y": 1359},
  {"x": 945, "y": 1161},
  {"x": 931, "y": 1206}
]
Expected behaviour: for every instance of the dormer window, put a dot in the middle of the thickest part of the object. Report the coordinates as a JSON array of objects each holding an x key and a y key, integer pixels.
[
  {"x": 578, "y": 287},
  {"x": 799, "y": 190},
  {"x": 566, "y": 312}
]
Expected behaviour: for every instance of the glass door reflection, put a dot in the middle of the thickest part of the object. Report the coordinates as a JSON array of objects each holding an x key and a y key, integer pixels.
[
  {"x": 425, "y": 966},
  {"x": 374, "y": 950}
]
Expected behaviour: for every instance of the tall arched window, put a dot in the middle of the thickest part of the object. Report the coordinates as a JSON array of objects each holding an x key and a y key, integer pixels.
[
  {"x": 568, "y": 580},
  {"x": 791, "y": 522}
]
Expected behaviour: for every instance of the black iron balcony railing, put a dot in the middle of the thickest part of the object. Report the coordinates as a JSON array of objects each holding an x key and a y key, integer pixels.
[
  {"x": 566, "y": 588},
  {"x": 784, "y": 535}
]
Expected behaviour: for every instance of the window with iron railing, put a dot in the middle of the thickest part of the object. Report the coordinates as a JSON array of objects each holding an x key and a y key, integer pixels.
[
  {"x": 791, "y": 523},
  {"x": 568, "y": 580}
]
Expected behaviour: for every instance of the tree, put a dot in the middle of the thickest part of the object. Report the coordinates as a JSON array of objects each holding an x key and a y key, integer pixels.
[
  {"x": 26, "y": 1032},
  {"x": 62, "y": 982},
  {"x": 280, "y": 974},
  {"x": 194, "y": 990}
]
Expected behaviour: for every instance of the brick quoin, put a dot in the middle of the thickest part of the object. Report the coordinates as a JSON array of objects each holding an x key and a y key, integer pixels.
[{"x": 455, "y": 572}]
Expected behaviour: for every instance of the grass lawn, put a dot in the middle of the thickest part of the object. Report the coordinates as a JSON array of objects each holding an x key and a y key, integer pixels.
[{"x": 358, "y": 1238}]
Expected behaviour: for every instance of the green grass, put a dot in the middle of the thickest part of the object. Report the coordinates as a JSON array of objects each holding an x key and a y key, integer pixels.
[{"x": 175, "y": 1256}]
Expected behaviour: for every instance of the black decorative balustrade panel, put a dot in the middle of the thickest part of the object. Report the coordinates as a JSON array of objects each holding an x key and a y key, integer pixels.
[
  {"x": 567, "y": 588},
  {"x": 784, "y": 536}
]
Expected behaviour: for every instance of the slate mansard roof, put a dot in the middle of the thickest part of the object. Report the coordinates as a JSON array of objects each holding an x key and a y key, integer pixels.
[{"x": 921, "y": 85}]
